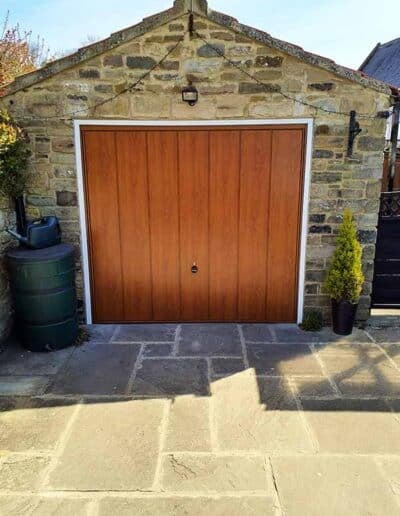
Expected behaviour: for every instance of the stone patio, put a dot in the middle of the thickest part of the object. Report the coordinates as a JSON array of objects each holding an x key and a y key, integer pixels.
[{"x": 203, "y": 420}]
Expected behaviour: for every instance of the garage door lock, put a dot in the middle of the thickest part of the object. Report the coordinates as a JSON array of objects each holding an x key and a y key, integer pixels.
[{"x": 195, "y": 268}]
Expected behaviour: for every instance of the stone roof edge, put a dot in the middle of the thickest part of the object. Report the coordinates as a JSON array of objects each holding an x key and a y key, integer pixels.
[
  {"x": 298, "y": 52},
  {"x": 90, "y": 51},
  {"x": 159, "y": 19}
]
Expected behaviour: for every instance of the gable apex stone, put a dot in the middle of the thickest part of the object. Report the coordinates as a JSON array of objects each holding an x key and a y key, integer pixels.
[{"x": 198, "y": 6}]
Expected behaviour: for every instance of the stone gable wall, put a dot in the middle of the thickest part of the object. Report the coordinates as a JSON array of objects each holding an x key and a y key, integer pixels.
[{"x": 225, "y": 93}]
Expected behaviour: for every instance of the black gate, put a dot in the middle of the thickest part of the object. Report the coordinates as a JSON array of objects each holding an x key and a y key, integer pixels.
[{"x": 386, "y": 286}]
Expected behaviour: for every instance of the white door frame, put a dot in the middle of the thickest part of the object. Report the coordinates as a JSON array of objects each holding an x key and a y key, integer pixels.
[{"x": 308, "y": 122}]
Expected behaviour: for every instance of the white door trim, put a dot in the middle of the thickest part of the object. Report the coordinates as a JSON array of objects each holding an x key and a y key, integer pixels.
[{"x": 309, "y": 122}]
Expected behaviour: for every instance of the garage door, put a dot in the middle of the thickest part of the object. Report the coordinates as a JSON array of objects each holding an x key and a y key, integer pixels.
[{"x": 194, "y": 224}]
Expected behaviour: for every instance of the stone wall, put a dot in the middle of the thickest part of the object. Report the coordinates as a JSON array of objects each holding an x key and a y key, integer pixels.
[{"x": 225, "y": 93}]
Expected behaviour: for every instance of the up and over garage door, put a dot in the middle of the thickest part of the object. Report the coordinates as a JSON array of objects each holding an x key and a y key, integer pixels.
[{"x": 194, "y": 223}]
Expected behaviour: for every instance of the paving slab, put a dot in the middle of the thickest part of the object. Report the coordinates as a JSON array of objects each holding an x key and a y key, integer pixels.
[
  {"x": 391, "y": 471},
  {"x": 97, "y": 369},
  {"x": 255, "y": 414},
  {"x": 29, "y": 424},
  {"x": 328, "y": 486},
  {"x": 385, "y": 335},
  {"x": 358, "y": 336},
  {"x": 209, "y": 340},
  {"x": 208, "y": 473},
  {"x": 371, "y": 382},
  {"x": 19, "y": 473},
  {"x": 189, "y": 425},
  {"x": 313, "y": 386},
  {"x": 360, "y": 370},
  {"x": 282, "y": 359},
  {"x": 171, "y": 377},
  {"x": 23, "y": 385},
  {"x": 184, "y": 506},
  {"x": 157, "y": 350},
  {"x": 100, "y": 332},
  {"x": 112, "y": 446},
  {"x": 39, "y": 506},
  {"x": 225, "y": 366},
  {"x": 293, "y": 334},
  {"x": 15, "y": 360},
  {"x": 145, "y": 333},
  {"x": 258, "y": 332},
  {"x": 353, "y": 426}
]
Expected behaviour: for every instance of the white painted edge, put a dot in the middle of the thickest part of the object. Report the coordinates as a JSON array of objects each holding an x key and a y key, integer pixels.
[
  {"x": 83, "y": 223},
  {"x": 195, "y": 123},
  {"x": 304, "y": 222}
]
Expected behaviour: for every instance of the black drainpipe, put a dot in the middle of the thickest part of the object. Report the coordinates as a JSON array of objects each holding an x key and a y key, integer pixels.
[{"x": 393, "y": 139}]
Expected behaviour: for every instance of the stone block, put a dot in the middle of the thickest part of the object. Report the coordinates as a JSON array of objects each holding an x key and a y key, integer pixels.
[
  {"x": 263, "y": 417},
  {"x": 331, "y": 420},
  {"x": 211, "y": 50},
  {"x": 258, "y": 332},
  {"x": 103, "y": 449},
  {"x": 65, "y": 198},
  {"x": 145, "y": 333},
  {"x": 254, "y": 87},
  {"x": 369, "y": 143},
  {"x": 210, "y": 474},
  {"x": 332, "y": 485},
  {"x": 140, "y": 62},
  {"x": 89, "y": 73},
  {"x": 22, "y": 473},
  {"x": 97, "y": 369},
  {"x": 114, "y": 60},
  {"x": 282, "y": 359},
  {"x": 269, "y": 61},
  {"x": 226, "y": 366},
  {"x": 183, "y": 506},
  {"x": 188, "y": 425},
  {"x": 17, "y": 361},
  {"x": 171, "y": 377},
  {"x": 28, "y": 385},
  {"x": 157, "y": 350},
  {"x": 209, "y": 340},
  {"x": 30, "y": 424}
]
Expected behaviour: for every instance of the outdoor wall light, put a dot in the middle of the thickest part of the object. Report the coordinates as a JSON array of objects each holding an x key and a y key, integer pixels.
[{"x": 190, "y": 95}]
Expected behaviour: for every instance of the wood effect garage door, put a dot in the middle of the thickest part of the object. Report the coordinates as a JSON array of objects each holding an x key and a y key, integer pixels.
[{"x": 162, "y": 202}]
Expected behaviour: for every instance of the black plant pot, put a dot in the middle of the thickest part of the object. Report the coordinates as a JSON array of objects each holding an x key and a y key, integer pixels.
[{"x": 343, "y": 316}]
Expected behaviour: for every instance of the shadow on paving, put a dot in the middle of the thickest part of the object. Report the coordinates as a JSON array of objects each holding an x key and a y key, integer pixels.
[{"x": 278, "y": 367}]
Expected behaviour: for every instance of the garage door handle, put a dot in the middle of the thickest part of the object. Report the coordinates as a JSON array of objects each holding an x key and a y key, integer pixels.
[{"x": 195, "y": 269}]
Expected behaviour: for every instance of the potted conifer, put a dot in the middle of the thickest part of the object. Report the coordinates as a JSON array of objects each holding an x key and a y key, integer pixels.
[{"x": 345, "y": 278}]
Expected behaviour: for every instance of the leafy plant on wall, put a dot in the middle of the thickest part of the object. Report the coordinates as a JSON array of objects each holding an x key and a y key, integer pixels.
[{"x": 14, "y": 157}]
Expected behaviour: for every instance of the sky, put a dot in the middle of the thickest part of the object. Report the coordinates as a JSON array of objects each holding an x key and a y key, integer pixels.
[{"x": 343, "y": 30}]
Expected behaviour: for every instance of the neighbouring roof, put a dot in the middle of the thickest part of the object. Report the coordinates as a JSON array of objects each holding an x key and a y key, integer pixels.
[
  {"x": 201, "y": 8},
  {"x": 383, "y": 63}
]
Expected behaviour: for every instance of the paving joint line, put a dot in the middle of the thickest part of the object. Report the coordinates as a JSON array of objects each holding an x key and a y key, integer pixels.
[
  {"x": 60, "y": 446},
  {"x": 243, "y": 346},
  {"x": 324, "y": 371},
  {"x": 137, "y": 365},
  {"x": 211, "y": 411},
  {"x": 275, "y": 484},
  {"x": 308, "y": 428},
  {"x": 157, "y": 481},
  {"x": 175, "y": 347}
]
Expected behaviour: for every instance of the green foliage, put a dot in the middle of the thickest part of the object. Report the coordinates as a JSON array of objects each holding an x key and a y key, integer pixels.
[
  {"x": 14, "y": 157},
  {"x": 345, "y": 278},
  {"x": 313, "y": 321}
]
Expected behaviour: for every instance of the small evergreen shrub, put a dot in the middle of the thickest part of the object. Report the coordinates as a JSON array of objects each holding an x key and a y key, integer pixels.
[
  {"x": 345, "y": 278},
  {"x": 14, "y": 157},
  {"x": 313, "y": 321}
]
